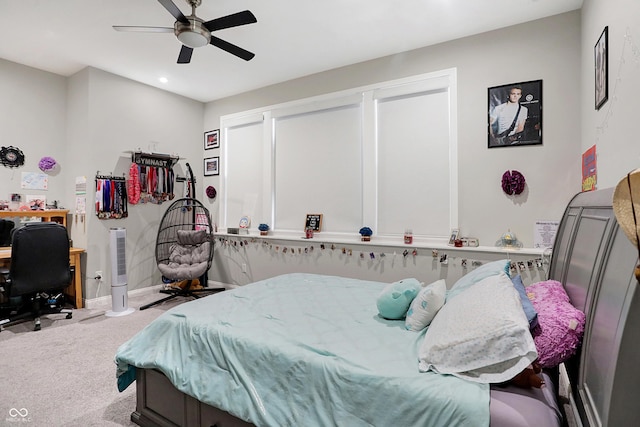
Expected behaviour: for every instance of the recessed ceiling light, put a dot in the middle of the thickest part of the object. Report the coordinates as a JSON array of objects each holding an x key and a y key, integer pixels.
[{"x": 163, "y": 79}]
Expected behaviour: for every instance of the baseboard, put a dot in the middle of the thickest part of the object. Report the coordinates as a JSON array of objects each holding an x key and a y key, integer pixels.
[{"x": 105, "y": 301}]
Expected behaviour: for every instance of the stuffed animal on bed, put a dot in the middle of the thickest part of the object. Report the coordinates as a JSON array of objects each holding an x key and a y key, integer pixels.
[{"x": 395, "y": 299}]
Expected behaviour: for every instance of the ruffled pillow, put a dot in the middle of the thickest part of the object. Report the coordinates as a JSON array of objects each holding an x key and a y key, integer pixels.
[{"x": 560, "y": 325}]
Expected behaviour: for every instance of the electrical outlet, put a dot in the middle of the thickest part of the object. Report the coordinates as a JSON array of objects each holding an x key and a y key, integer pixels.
[
  {"x": 244, "y": 267},
  {"x": 98, "y": 275}
]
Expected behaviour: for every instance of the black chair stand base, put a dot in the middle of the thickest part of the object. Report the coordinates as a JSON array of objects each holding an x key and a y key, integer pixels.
[
  {"x": 183, "y": 292},
  {"x": 35, "y": 312}
]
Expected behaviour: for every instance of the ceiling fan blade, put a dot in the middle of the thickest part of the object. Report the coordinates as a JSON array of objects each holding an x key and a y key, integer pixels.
[
  {"x": 173, "y": 9},
  {"x": 232, "y": 49},
  {"x": 234, "y": 20},
  {"x": 143, "y": 29},
  {"x": 185, "y": 55}
]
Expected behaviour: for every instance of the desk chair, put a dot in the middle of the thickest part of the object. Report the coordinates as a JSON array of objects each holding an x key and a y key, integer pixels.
[{"x": 38, "y": 273}]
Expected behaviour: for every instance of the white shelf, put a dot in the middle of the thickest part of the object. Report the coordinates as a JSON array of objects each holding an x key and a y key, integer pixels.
[{"x": 320, "y": 238}]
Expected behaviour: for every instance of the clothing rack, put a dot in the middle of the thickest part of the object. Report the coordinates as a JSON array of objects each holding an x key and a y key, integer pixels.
[{"x": 112, "y": 177}]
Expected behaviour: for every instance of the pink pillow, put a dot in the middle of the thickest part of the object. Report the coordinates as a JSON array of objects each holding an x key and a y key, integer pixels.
[{"x": 560, "y": 325}]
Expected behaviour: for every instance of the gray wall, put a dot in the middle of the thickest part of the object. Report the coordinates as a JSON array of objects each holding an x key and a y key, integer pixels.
[
  {"x": 109, "y": 116},
  {"x": 88, "y": 123},
  {"x": 613, "y": 128},
  {"x": 33, "y": 118},
  {"x": 547, "y": 49}
]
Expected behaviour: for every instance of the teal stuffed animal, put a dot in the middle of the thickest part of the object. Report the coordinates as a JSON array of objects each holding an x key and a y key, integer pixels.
[{"x": 395, "y": 299}]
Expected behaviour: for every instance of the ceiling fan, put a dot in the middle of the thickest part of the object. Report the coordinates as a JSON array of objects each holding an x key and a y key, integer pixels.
[{"x": 194, "y": 32}]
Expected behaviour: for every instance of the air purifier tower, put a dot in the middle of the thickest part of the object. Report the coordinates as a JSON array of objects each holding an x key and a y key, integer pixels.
[{"x": 119, "y": 287}]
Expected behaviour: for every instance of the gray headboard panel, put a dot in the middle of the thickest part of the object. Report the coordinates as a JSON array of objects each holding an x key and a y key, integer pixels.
[{"x": 595, "y": 261}]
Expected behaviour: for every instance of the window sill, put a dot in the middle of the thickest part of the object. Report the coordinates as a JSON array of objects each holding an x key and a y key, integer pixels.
[{"x": 394, "y": 242}]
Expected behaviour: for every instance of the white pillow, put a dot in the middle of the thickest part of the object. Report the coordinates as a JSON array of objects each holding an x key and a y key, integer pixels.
[
  {"x": 481, "y": 335},
  {"x": 425, "y": 306}
]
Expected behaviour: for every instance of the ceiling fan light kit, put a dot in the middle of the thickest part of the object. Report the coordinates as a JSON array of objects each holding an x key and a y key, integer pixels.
[{"x": 194, "y": 32}]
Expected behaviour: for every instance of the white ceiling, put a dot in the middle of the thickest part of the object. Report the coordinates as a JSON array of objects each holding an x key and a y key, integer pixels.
[{"x": 291, "y": 39}]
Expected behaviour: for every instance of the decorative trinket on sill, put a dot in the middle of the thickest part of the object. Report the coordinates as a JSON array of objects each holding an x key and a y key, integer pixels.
[
  {"x": 264, "y": 229},
  {"x": 365, "y": 233},
  {"x": 509, "y": 240}
]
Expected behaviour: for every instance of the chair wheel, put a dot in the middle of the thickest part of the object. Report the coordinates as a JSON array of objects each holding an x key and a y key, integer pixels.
[
  {"x": 36, "y": 327},
  {"x": 69, "y": 316}
]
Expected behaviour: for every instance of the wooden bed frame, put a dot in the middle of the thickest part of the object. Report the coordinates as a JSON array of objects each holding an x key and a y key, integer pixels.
[{"x": 592, "y": 258}]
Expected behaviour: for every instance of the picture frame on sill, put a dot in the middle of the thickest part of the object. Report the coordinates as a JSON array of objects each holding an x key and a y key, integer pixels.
[
  {"x": 455, "y": 232},
  {"x": 601, "y": 63},
  {"x": 313, "y": 222},
  {"x": 212, "y": 139},
  {"x": 515, "y": 114},
  {"x": 212, "y": 166}
]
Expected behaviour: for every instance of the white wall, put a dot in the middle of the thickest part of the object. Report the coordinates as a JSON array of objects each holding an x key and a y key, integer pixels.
[
  {"x": 613, "y": 128},
  {"x": 547, "y": 49}
]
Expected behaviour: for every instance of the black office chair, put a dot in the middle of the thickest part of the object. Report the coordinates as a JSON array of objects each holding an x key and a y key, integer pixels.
[{"x": 38, "y": 273}]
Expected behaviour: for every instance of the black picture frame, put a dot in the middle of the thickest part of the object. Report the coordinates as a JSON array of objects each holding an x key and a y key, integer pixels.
[
  {"x": 314, "y": 222},
  {"x": 212, "y": 139},
  {"x": 601, "y": 68},
  {"x": 502, "y": 129},
  {"x": 212, "y": 166}
]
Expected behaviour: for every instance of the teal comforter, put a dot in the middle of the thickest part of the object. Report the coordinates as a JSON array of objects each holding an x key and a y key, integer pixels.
[{"x": 301, "y": 350}]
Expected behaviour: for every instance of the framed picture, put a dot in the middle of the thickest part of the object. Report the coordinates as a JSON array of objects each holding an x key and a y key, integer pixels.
[
  {"x": 601, "y": 61},
  {"x": 454, "y": 236},
  {"x": 314, "y": 222},
  {"x": 212, "y": 139},
  {"x": 212, "y": 166},
  {"x": 515, "y": 114}
]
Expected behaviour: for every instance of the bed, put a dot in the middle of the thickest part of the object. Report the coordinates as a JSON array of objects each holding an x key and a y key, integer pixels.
[{"x": 313, "y": 350}]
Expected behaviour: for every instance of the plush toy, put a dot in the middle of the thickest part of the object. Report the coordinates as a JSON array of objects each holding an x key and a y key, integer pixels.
[
  {"x": 395, "y": 299},
  {"x": 529, "y": 377}
]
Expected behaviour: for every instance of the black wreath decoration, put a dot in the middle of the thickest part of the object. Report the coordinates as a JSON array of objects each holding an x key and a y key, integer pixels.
[
  {"x": 11, "y": 157},
  {"x": 513, "y": 182}
]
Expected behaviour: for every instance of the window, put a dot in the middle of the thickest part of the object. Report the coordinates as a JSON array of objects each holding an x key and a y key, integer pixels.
[{"x": 383, "y": 156}]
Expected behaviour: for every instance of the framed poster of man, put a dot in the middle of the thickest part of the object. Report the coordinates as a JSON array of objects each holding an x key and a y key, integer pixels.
[
  {"x": 515, "y": 114},
  {"x": 601, "y": 60}
]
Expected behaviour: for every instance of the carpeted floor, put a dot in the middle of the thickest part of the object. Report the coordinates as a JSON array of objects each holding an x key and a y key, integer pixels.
[{"x": 64, "y": 374}]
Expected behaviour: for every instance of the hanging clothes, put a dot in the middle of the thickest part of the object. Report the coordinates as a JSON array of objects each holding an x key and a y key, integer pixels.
[
  {"x": 155, "y": 177},
  {"x": 133, "y": 184},
  {"x": 111, "y": 197}
]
